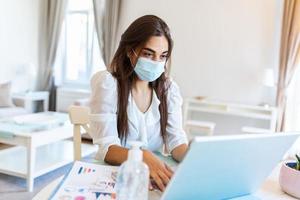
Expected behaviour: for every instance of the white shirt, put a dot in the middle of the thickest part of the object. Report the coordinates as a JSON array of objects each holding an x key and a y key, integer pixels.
[{"x": 144, "y": 127}]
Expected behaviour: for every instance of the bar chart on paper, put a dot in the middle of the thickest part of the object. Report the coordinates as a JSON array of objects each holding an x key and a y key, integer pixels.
[
  {"x": 88, "y": 181},
  {"x": 84, "y": 170}
]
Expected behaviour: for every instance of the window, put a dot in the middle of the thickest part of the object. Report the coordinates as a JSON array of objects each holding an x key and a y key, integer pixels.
[{"x": 78, "y": 54}]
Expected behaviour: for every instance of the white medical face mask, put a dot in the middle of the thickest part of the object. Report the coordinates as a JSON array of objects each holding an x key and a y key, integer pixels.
[{"x": 149, "y": 70}]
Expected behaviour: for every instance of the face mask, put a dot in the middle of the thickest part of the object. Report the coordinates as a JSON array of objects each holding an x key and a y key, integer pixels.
[{"x": 149, "y": 70}]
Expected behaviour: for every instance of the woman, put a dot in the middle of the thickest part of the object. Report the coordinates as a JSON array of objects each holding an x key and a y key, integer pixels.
[{"x": 134, "y": 100}]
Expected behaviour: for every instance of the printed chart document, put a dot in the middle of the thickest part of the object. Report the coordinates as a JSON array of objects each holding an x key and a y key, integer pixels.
[{"x": 87, "y": 181}]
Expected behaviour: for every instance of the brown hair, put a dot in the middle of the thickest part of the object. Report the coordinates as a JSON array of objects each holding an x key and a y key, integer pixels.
[{"x": 136, "y": 35}]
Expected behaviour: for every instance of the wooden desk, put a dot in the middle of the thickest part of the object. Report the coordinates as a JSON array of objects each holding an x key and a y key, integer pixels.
[{"x": 270, "y": 190}]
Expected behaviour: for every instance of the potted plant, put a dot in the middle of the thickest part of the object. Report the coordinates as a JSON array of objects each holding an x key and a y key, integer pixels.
[{"x": 289, "y": 178}]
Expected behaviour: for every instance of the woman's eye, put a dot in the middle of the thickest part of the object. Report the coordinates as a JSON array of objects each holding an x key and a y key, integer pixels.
[
  {"x": 147, "y": 54},
  {"x": 163, "y": 57}
]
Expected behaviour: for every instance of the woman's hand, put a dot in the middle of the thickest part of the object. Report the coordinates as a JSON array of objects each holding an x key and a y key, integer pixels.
[{"x": 159, "y": 171}]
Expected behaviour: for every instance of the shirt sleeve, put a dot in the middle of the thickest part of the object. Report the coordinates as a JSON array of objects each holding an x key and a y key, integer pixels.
[
  {"x": 103, "y": 117},
  {"x": 175, "y": 133}
]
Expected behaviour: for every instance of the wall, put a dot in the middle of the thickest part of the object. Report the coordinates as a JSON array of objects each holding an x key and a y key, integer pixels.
[
  {"x": 221, "y": 47},
  {"x": 19, "y": 22}
]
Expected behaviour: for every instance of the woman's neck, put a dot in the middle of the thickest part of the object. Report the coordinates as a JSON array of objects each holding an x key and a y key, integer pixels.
[{"x": 141, "y": 86}]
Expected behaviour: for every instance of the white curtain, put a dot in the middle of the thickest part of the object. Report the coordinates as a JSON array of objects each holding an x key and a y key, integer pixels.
[
  {"x": 289, "y": 55},
  {"x": 52, "y": 15},
  {"x": 292, "y": 115},
  {"x": 107, "y": 14}
]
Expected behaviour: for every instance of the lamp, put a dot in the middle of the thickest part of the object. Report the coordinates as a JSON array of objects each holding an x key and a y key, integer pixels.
[
  {"x": 268, "y": 81},
  {"x": 32, "y": 73},
  {"x": 25, "y": 75},
  {"x": 268, "y": 77}
]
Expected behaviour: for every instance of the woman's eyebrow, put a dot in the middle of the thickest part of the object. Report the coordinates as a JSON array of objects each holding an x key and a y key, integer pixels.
[
  {"x": 151, "y": 50},
  {"x": 148, "y": 49}
]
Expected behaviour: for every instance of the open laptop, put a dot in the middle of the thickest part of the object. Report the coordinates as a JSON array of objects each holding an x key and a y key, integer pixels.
[{"x": 226, "y": 167}]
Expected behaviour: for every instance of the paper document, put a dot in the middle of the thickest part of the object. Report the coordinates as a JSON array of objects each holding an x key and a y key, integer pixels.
[{"x": 87, "y": 181}]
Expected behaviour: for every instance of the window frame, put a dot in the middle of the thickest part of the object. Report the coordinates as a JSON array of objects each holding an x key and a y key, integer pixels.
[{"x": 89, "y": 56}]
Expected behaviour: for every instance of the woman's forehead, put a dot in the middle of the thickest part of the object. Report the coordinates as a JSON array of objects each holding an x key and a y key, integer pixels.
[{"x": 159, "y": 44}]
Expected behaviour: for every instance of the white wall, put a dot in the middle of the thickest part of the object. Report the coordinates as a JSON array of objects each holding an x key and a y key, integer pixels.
[
  {"x": 220, "y": 46},
  {"x": 19, "y": 22}
]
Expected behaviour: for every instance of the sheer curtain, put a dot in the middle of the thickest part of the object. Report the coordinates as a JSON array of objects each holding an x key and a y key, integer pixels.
[
  {"x": 292, "y": 116},
  {"x": 289, "y": 55},
  {"x": 52, "y": 15},
  {"x": 107, "y": 14}
]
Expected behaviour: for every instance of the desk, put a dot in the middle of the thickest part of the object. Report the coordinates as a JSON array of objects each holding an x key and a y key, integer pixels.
[{"x": 270, "y": 190}]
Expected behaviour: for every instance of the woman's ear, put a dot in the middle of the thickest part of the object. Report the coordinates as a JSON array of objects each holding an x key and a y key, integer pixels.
[
  {"x": 130, "y": 57},
  {"x": 168, "y": 67},
  {"x": 129, "y": 54}
]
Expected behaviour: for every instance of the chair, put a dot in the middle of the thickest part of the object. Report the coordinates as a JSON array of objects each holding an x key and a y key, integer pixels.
[
  {"x": 79, "y": 117},
  {"x": 83, "y": 102}
]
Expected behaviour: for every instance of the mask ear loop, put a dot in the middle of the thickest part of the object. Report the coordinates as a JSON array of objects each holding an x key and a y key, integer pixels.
[
  {"x": 134, "y": 53},
  {"x": 168, "y": 67}
]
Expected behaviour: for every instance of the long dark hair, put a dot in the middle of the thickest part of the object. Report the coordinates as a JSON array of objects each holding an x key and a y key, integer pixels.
[{"x": 136, "y": 35}]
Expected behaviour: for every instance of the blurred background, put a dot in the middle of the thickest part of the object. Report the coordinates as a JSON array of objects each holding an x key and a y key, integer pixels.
[{"x": 238, "y": 59}]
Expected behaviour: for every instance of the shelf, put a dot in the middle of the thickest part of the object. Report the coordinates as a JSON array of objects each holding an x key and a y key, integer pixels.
[
  {"x": 230, "y": 111},
  {"x": 193, "y": 108}
]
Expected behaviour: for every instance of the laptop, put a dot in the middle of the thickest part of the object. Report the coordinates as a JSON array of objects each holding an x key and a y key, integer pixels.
[{"x": 227, "y": 167}]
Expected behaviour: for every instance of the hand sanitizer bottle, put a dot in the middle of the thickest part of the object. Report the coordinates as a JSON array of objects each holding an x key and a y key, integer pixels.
[{"x": 133, "y": 176}]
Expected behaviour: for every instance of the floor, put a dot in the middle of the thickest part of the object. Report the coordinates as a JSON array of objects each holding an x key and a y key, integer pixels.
[{"x": 14, "y": 188}]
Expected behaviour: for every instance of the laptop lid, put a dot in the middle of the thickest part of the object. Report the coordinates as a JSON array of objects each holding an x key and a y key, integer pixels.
[{"x": 221, "y": 167}]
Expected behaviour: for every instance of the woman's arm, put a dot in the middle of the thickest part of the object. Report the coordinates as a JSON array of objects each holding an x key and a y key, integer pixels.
[
  {"x": 116, "y": 155},
  {"x": 159, "y": 172},
  {"x": 177, "y": 142},
  {"x": 179, "y": 152}
]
